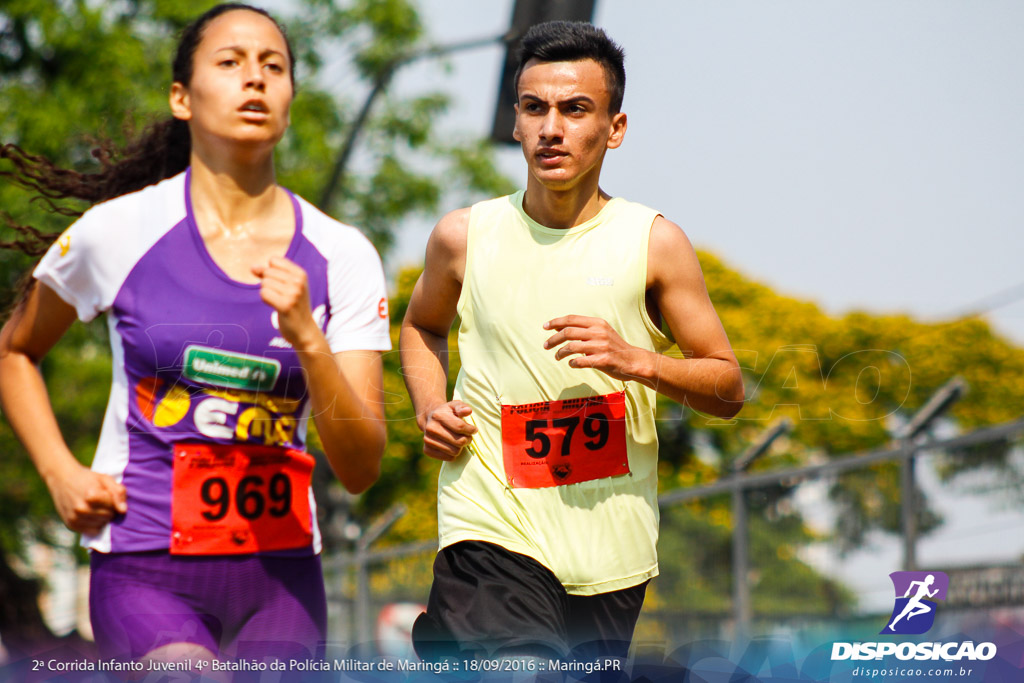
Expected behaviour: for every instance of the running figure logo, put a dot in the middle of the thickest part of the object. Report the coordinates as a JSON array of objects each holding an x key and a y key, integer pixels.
[{"x": 916, "y": 593}]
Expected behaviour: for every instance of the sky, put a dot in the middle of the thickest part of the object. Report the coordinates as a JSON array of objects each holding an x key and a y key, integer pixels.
[{"x": 862, "y": 155}]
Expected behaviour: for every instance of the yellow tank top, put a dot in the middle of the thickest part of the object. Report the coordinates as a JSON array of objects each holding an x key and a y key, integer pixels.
[{"x": 598, "y": 535}]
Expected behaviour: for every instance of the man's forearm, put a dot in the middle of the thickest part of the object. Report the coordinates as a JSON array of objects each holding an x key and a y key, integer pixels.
[
  {"x": 708, "y": 385},
  {"x": 424, "y": 357}
]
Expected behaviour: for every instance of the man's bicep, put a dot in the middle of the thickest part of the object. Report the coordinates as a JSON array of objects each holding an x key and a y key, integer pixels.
[
  {"x": 681, "y": 294},
  {"x": 433, "y": 306},
  {"x": 435, "y": 297}
]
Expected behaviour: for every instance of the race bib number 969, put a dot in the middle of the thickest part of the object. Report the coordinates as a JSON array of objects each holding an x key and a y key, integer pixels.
[
  {"x": 553, "y": 443},
  {"x": 230, "y": 499}
]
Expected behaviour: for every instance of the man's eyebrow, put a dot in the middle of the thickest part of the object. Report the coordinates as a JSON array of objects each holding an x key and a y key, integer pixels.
[{"x": 569, "y": 100}]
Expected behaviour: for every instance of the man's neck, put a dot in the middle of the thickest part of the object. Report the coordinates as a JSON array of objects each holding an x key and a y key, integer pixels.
[{"x": 562, "y": 209}]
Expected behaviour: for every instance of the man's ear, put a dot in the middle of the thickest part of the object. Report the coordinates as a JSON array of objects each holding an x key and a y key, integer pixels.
[
  {"x": 515, "y": 129},
  {"x": 181, "y": 106},
  {"x": 617, "y": 131}
]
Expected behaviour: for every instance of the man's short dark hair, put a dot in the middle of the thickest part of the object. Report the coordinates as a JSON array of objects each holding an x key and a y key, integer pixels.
[{"x": 571, "y": 41}]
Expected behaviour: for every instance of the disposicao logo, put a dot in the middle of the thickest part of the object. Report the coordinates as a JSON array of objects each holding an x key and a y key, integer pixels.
[
  {"x": 916, "y": 595},
  {"x": 913, "y": 613}
]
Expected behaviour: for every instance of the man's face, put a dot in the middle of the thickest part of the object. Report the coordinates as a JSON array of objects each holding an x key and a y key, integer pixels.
[{"x": 563, "y": 123}]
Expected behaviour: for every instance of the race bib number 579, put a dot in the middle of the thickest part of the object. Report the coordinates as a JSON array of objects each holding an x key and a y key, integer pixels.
[
  {"x": 231, "y": 499},
  {"x": 553, "y": 443}
]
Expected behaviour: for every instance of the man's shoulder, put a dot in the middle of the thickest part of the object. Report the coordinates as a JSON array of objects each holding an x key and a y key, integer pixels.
[
  {"x": 449, "y": 237},
  {"x": 635, "y": 210},
  {"x": 453, "y": 224},
  {"x": 667, "y": 233}
]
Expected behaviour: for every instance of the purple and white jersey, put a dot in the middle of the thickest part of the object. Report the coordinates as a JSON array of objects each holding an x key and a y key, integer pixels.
[{"x": 196, "y": 354}]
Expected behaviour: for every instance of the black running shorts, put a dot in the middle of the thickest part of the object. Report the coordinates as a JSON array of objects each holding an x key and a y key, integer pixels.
[{"x": 488, "y": 601}]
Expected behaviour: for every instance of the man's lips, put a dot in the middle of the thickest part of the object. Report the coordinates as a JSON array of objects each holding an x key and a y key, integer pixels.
[{"x": 550, "y": 157}]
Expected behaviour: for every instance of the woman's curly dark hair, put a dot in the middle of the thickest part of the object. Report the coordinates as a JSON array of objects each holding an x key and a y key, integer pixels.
[{"x": 161, "y": 151}]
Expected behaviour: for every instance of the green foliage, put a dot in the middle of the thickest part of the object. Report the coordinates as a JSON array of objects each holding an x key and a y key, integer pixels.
[
  {"x": 400, "y": 170},
  {"x": 74, "y": 73},
  {"x": 308, "y": 146},
  {"x": 407, "y": 475},
  {"x": 848, "y": 382}
]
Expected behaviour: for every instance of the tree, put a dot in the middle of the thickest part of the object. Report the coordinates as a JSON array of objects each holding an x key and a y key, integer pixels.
[
  {"x": 76, "y": 73},
  {"x": 846, "y": 383}
]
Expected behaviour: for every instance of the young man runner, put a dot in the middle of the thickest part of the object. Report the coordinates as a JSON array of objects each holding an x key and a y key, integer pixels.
[{"x": 547, "y": 499}]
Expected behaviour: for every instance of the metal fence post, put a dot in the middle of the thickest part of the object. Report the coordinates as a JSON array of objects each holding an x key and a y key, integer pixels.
[
  {"x": 740, "y": 564},
  {"x": 939, "y": 403},
  {"x": 364, "y": 626},
  {"x": 908, "y": 506},
  {"x": 740, "y": 538}
]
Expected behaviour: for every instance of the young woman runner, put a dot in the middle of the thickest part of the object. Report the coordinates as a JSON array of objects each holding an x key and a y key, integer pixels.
[{"x": 236, "y": 311}]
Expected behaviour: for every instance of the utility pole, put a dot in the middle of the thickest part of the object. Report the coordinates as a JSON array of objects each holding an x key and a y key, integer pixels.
[
  {"x": 525, "y": 13},
  {"x": 380, "y": 86}
]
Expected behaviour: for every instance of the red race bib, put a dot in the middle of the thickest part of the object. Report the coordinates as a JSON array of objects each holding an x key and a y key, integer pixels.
[
  {"x": 229, "y": 499},
  {"x": 554, "y": 443}
]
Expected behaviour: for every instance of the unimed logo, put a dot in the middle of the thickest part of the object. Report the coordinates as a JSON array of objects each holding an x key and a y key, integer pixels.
[{"x": 916, "y": 594}]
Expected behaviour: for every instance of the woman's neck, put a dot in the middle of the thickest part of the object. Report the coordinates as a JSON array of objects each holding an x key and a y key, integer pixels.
[{"x": 231, "y": 195}]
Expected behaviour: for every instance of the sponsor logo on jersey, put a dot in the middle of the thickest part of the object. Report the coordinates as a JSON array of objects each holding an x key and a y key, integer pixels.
[
  {"x": 594, "y": 281},
  {"x": 243, "y": 416},
  {"x": 382, "y": 307},
  {"x": 279, "y": 342},
  {"x": 64, "y": 242},
  {"x": 231, "y": 370}
]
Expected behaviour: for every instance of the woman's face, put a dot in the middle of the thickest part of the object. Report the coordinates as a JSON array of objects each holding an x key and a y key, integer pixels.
[{"x": 241, "y": 87}]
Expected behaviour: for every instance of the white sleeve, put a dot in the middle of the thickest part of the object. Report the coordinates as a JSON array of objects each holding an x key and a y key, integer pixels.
[
  {"x": 72, "y": 270},
  {"x": 359, "y": 302},
  {"x": 90, "y": 261}
]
